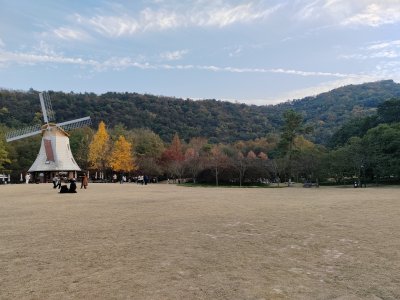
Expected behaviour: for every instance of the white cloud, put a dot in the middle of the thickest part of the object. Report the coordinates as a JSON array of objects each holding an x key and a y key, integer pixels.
[
  {"x": 197, "y": 14},
  {"x": 70, "y": 34},
  {"x": 323, "y": 9},
  {"x": 390, "y": 69},
  {"x": 173, "y": 55},
  {"x": 119, "y": 63},
  {"x": 110, "y": 25},
  {"x": 350, "y": 12},
  {"x": 226, "y": 15},
  {"x": 383, "y": 50},
  {"x": 45, "y": 48},
  {"x": 33, "y": 59},
  {"x": 236, "y": 51},
  {"x": 376, "y": 15},
  {"x": 382, "y": 45}
]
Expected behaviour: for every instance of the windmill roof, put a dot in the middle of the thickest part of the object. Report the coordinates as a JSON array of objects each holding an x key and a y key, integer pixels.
[{"x": 53, "y": 125}]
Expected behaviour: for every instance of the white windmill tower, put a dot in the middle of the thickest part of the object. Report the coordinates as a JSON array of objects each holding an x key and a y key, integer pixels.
[{"x": 55, "y": 153}]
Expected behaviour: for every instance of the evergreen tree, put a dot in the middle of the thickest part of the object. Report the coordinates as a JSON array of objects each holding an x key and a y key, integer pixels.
[
  {"x": 293, "y": 126},
  {"x": 3, "y": 153}
]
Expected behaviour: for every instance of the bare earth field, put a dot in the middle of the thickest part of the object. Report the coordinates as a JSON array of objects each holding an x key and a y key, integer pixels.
[{"x": 116, "y": 241}]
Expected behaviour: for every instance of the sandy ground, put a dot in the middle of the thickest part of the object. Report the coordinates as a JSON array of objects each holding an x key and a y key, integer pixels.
[{"x": 161, "y": 241}]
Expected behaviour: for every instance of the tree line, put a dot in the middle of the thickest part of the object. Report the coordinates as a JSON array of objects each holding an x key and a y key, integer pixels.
[
  {"x": 218, "y": 121},
  {"x": 365, "y": 149}
]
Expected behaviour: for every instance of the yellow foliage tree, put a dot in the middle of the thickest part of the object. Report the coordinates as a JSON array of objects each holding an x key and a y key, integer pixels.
[
  {"x": 99, "y": 148},
  {"x": 121, "y": 159}
]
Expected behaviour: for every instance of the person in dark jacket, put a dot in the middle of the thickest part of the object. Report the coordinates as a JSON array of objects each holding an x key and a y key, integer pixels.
[{"x": 72, "y": 186}]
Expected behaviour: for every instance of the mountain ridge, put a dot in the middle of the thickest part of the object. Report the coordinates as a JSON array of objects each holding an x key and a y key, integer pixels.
[{"x": 220, "y": 121}]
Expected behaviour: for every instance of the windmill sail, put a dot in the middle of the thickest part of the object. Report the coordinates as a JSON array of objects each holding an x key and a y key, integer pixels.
[
  {"x": 69, "y": 125},
  {"x": 47, "y": 108},
  {"x": 23, "y": 133}
]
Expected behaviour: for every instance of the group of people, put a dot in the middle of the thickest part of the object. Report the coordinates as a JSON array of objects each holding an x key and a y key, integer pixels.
[
  {"x": 141, "y": 179},
  {"x": 57, "y": 183}
]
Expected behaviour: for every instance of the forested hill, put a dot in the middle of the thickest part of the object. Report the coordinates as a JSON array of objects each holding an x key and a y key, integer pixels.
[
  {"x": 328, "y": 111},
  {"x": 219, "y": 121}
]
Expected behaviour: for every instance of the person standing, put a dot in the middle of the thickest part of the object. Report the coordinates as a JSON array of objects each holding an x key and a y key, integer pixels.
[
  {"x": 85, "y": 181},
  {"x": 55, "y": 181},
  {"x": 27, "y": 177}
]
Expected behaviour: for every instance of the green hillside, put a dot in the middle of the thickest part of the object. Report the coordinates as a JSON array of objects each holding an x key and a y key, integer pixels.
[{"x": 219, "y": 121}]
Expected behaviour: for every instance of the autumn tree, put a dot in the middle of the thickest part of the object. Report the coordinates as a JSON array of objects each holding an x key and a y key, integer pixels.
[
  {"x": 240, "y": 164},
  {"x": 121, "y": 159},
  {"x": 193, "y": 163},
  {"x": 217, "y": 160},
  {"x": 255, "y": 169},
  {"x": 174, "y": 152},
  {"x": 173, "y": 158},
  {"x": 99, "y": 148},
  {"x": 194, "y": 157}
]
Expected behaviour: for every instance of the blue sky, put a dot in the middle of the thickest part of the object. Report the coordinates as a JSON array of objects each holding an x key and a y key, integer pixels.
[{"x": 255, "y": 51}]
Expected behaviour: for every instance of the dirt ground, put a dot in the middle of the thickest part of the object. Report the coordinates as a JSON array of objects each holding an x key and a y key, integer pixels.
[{"x": 162, "y": 241}]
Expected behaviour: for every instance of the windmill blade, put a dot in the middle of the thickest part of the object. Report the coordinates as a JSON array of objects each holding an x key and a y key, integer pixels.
[
  {"x": 47, "y": 108},
  {"x": 23, "y": 133},
  {"x": 78, "y": 123}
]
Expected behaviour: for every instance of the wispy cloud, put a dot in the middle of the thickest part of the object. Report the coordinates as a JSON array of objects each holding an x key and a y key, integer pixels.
[
  {"x": 226, "y": 15},
  {"x": 350, "y": 12},
  {"x": 173, "y": 55},
  {"x": 323, "y": 9},
  {"x": 119, "y": 21},
  {"x": 386, "y": 12},
  {"x": 236, "y": 51},
  {"x": 118, "y": 63},
  {"x": 387, "y": 50},
  {"x": 2, "y": 43},
  {"x": 198, "y": 14},
  {"x": 70, "y": 34},
  {"x": 33, "y": 59}
]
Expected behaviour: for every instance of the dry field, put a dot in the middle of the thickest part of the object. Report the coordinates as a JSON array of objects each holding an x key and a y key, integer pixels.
[{"x": 116, "y": 241}]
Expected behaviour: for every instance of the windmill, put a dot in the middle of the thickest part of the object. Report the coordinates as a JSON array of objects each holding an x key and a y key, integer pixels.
[{"x": 55, "y": 153}]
